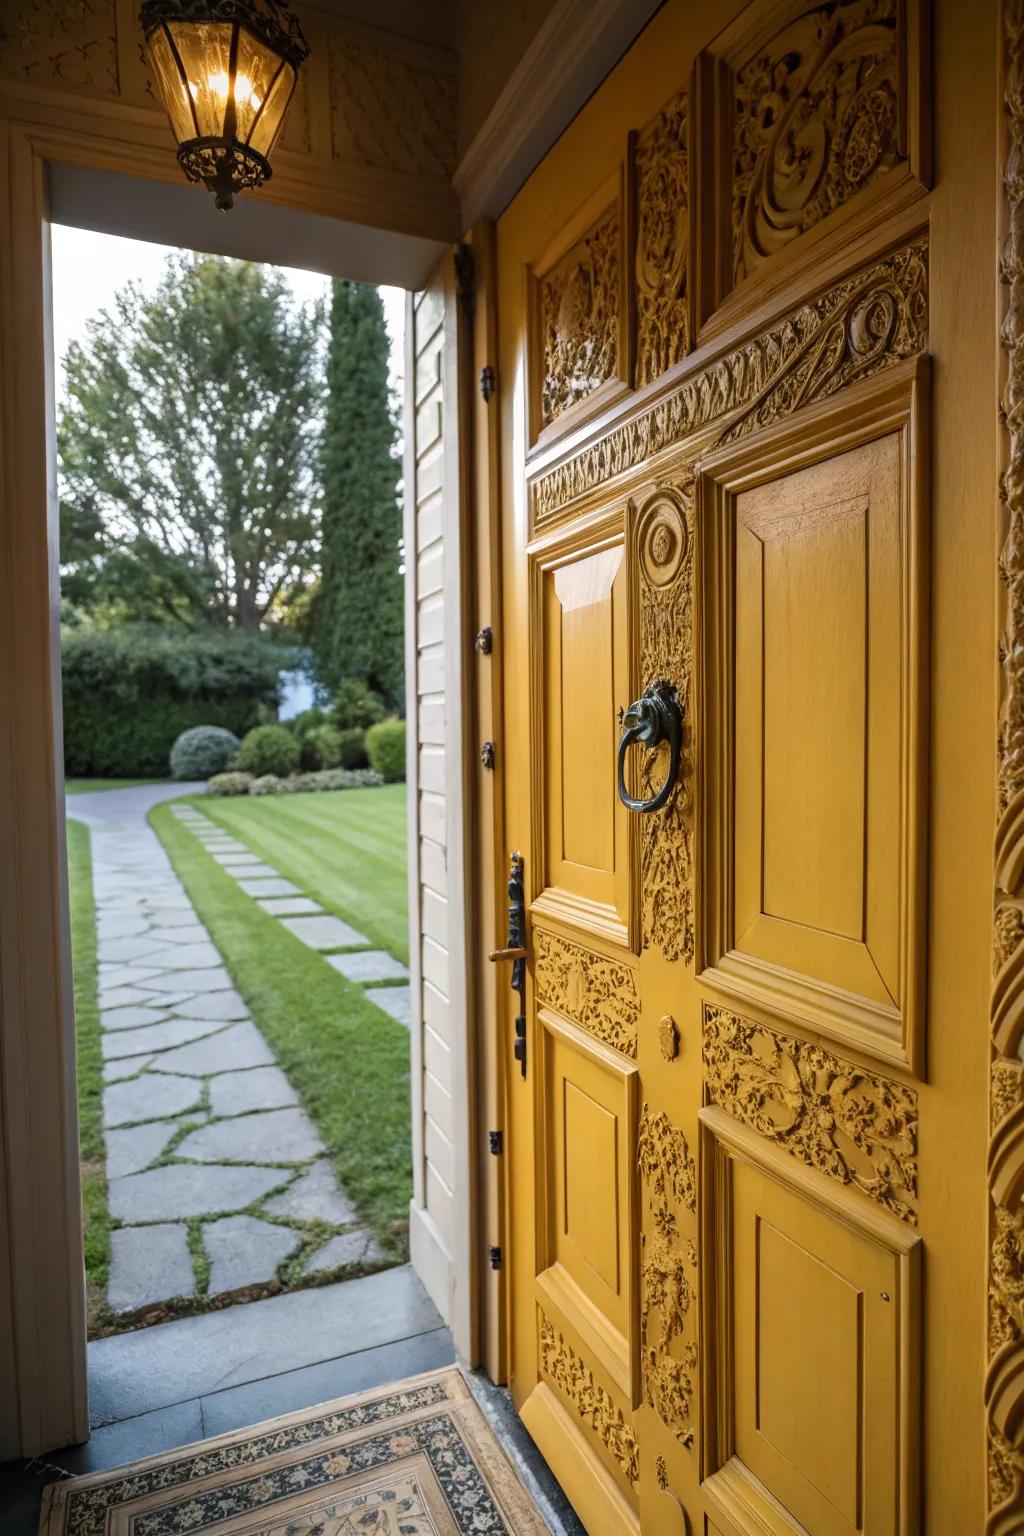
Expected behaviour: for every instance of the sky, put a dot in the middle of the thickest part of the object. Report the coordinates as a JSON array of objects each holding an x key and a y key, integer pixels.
[{"x": 90, "y": 268}]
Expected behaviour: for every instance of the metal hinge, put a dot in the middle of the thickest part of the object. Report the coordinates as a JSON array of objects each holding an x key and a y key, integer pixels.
[
  {"x": 494, "y": 1254},
  {"x": 488, "y": 383},
  {"x": 496, "y": 1143},
  {"x": 465, "y": 278},
  {"x": 487, "y": 754},
  {"x": 484, "y": 642}
]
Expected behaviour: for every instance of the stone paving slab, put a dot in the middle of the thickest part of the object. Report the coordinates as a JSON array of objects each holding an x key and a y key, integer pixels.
[
  {"x": 245, "y": 1251},
  {"x": 150, "y": 1097},
  {"x": 273, "y": 1136},
  {"x": 147, "y": 1265},
  {"x": 131, "y": 1017},
  {"x": 184, "y": 957},
  {"x": 132, "y": 1150},
  {"x": 254, "y": 872},
  {"x": 122, "y": 997},
  {"x": 315, "y": 1196},
  {"x": 206, "y": 979},
  {"x": 230, "y": 1050},
  {"x": 183, "y": 1190},
  {"x": 123, "y": 951},
  {"x": 156, "y": 1037},
  {"x": 396, "y": 1001},
  {"x": 237, "y": 860},
  {"x": 238, "y": 1093},
  {"x": 356, "y": 1247},
  {"x": 369, "y": 965},
  {"x": 226, "y": 1006},
  {"x": 269, "y": 888},
  {"x": 179, "y": 933},
  {"x": 114, "y": 1071},
  {"x": 289, "y": 906},
  {"x": 324, "y": 932},
  {"x": 111, "y": 976}
]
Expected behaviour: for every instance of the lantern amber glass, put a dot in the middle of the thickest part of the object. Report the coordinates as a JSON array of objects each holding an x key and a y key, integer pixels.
[{"x": 192, "y": 62}]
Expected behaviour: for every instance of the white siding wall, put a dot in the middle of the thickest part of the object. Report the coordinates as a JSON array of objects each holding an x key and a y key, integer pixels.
[{"x": 439, "y": 1217}]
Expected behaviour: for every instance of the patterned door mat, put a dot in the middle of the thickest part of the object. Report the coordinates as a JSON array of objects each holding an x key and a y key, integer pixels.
[{"x": 413, "y": 1459}]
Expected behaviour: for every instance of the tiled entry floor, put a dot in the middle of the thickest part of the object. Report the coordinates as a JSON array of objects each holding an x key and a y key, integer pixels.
[{"x": 160, "y": 1387}]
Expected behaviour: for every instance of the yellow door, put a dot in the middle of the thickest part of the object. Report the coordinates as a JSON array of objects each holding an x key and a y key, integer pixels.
[{"x": 746, "y": 1117}]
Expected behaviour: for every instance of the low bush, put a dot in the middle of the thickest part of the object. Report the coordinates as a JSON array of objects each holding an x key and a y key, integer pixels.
[
  {"x": 306, "y": 721},
  {"x": 355, "y": 706},
  {"x": 303, "y": 783},
  {"x": 130, "y": 692},
  {"x": 321, "y": 748},
  {"x": 202, "y": 751},
  {"x": 269, "y": 749},
  {"x": 385, "y": 747},
  {"x": 352, "y": 749},
  {"x": 229, "y": 784}
]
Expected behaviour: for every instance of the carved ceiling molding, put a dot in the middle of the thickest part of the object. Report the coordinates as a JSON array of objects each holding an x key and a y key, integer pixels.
[
  {"x": 598, "y": 994},
  {"x": 867, "y": 322},
  {"x": 847, "y": 1122},
  {"x": 66, "y": 45},
  {"x": 563, "y": 1367},
  {"x": 1004, "y": 1384},
  {"x": 668, "y": 1284},
  {"x": 664, "y": 558},
  {"x": 818, "y": 118},
  {"x": 391, "y": 110},
  {"x": 661, "y": 164}
]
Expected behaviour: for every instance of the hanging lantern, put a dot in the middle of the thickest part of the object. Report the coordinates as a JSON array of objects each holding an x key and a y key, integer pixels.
[{"x": 226, "y": 71}]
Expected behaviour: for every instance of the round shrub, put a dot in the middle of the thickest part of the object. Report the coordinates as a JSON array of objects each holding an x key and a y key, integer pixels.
[
  {"x": 356, "y": 706},
  {"x": 269, "y": 749},
  {"x": 352, "y": 748},
  {"x": 201, "y": 752},
  {"x": 321, "y": 748},
  {"x": 229, "y": 784},
  {"x": 385, "y": 747}
]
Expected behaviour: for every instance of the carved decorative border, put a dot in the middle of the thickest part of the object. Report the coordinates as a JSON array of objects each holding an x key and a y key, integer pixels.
[
  {"x": 669, "y": 1353},
  {"x": 1004, "y": 1383},
  {"x": 858, "y": 327},
  {"x": 661, "y": 161},
  {"x": 596, "y": 993},
  {"x": 574, "y": 1379},
  {"x": 858, "y": 1128}
]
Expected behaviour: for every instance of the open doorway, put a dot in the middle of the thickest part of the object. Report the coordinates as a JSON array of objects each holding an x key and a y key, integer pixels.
[{"x": 232, "y": 646}]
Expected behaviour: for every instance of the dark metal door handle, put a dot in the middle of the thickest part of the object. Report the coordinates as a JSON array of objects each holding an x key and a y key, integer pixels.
[{"x": 655, "y": 717}]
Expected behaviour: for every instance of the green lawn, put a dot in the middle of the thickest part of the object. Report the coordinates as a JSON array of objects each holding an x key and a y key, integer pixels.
[
  {"x": 347, "y": 850},
  {"x": 92, "y": 786},
  {"x": 348, "y": 1060},
  {"x": 90, "y": 1068}
]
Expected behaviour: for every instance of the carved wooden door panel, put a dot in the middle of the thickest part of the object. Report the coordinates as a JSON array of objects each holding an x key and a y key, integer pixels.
[{"x": 713, "y": 311}]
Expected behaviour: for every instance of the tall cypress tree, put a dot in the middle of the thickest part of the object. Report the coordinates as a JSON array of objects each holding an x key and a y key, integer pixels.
[{"x": 358, "y": 617}]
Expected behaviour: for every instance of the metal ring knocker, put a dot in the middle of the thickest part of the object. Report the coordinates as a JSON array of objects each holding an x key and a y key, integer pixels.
[{"x": 655, "y": 717}]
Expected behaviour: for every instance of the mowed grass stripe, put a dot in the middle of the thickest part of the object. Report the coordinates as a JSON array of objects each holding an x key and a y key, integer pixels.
[
  {"x": 347, "y": 850},
  {"x": 348, "y": 1061}
]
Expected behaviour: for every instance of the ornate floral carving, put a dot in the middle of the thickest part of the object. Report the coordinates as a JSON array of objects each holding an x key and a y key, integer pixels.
[
  {"x": 855, "y": 329},
  {"x": 839, "y": 1118},
  {"x": 574, "y": 1379},
  {"x": 597, "y": 993},
  {"x": 817, "y": 120},
  {"x": 391, "y": 110},
  {"x": 669, "y": 1354},
  {"x": 662, "y": 165},
  {"x": 578, "y": 308},
  {"x": 664, "y": 542},
  {"x": 69, "y": 46},
  {"x": 1004, "y": 1384}
]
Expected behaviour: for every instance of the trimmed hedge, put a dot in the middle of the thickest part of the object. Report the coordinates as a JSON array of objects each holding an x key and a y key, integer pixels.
[
  {"x": 129, "y": 693},
  {"x": 385, "y": 747}
]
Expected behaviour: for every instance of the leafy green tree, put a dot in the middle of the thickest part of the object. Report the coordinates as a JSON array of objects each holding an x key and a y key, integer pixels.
[
  {"x": 188, "y": 449},
  {"x": 357, "y": 617}
]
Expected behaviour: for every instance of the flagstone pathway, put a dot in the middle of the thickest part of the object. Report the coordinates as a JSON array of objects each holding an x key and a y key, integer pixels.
[{"x": 216, "y": 1175}]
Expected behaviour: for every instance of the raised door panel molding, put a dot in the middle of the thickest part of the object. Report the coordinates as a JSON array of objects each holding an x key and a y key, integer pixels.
[
  {"x": 873, "y": 320},
  {"x": 580, "y": 330},
  {"x": 661, "y": 170},
  {"x": 814, "y": 127},
  {"x": 813, "y": 816},
  {"x": 811, "y": 1317}
]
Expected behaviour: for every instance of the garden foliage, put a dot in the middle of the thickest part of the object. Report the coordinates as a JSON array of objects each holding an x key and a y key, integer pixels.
[
  {"x": 267, "y": 749},
  {"x": 296, "y": 783},
  {"x": 385, "y": 747},
  {"x": 130, "y": 692},
  {"x": 202, "y": 751}
]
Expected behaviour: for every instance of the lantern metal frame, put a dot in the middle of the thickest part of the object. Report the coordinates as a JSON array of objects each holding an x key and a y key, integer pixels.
[{"x": 225, "y": 163}]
